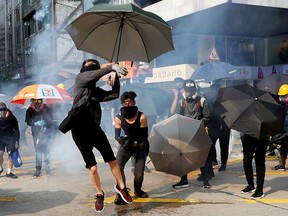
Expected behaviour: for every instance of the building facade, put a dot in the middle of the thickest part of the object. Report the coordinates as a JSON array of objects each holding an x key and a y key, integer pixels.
[{"x": 33, "y": 40}]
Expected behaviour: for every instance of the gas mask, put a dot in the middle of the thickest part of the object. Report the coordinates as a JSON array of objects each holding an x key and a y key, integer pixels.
[
  {"x": 4, "y": 113},
  {"x": 190, "y": 90},
  {"x": 283, "y": 100},
  {"x": 190, "y": 95},
  {"x": 37, "y": 104}
]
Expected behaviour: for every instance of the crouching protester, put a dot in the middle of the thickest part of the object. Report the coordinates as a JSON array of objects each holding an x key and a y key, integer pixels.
[{"x": 135, "y": 142}]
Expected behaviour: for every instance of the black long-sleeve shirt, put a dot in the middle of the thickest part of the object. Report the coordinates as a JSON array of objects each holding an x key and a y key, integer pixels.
[{"x": 9, "y": 128}]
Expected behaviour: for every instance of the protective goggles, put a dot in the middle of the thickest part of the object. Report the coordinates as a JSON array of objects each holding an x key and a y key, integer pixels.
[{"x": 189, "y": 84}]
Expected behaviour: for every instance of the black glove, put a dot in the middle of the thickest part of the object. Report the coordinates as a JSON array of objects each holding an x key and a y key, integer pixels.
[{"x": 125, "y": 142}]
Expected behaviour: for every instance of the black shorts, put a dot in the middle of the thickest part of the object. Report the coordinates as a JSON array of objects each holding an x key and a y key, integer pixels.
[
  {"x": 89, "y": 136},
  {"x": 8, "y": 144}
]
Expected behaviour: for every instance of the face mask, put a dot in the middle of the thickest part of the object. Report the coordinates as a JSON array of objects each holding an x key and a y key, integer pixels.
[
  {"x": 128, "y": 112},
  {"x": 89, "y": 68},
  {"x": 283, "y": 100}
]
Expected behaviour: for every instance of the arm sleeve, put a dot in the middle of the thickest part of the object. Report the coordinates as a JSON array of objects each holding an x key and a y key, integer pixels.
[
  {"x": 206, "y": 113},
  {"x": 28, "y": 117},
  {"x": 143, "y": 134},
  {"x": 16, "y": 129},
  {"x": 108, "y": 95},
  {"x": 85, "y": 78},
  {"x": 117, "y": 133}
]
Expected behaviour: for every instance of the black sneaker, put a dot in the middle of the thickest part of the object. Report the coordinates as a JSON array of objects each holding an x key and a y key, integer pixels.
[
  {"x": 1, "y": 170},
  {"x": 119, "y": 201},
  {"x": 248, "y": 189},
  {"x": 181, "y": 184},
  {"x": 11, "y": 175},
  {"x": 279, "y": 167},
  {"x": 258, "y": 195},
  {"x": 99, "y": 202},
  {"x": 206, "y": 185},
  {"x": 214, "y": 164},
  {"x": 37, "y": 173},
  {"x": 140, "y": 193},
  {"x": 222, "y": 168}
]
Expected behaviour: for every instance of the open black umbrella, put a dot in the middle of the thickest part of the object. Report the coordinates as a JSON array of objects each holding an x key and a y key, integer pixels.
[
  {"x": 179, "y": 145},
  {"x": 213, "y": 71},
  {"x": 250, "y": 110},
  {"x": 122, "y": 32},
  {"x": 273, "y": 82}
]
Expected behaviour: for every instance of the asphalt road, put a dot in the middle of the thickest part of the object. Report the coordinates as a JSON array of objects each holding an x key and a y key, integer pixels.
[{"x": 68, "y": 191}]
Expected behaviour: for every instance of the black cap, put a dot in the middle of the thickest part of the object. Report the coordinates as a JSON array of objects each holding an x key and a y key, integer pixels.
[{"x": 128, "y": 95}]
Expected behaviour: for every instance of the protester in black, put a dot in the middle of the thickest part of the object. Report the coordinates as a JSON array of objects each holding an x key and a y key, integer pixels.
[
  {"x": 39, "y": 118},
  {"x": 84, "y": 122},
  {"x": 9, "y": 137},
  {"x": 254, "y": 148},
  {"x": 194, "y": 106},
  {"x": 135, "y": 142}
]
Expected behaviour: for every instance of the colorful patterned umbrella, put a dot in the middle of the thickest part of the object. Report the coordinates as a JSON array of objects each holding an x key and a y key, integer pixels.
[{"x": 51, "y": 94}]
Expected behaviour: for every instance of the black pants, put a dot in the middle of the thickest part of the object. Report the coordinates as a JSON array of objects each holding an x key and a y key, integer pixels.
[
  {"x": 223, "y": 134},
  {"x": 250, "y": 146},
  {"x": 140, "y": 154}
]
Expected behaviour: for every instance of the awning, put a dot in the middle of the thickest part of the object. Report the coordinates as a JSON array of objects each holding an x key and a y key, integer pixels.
[{"x": 231, "y": 19}]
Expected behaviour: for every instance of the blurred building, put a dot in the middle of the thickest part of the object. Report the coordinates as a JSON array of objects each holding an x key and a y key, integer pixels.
[{"x": 33, "y": 41}]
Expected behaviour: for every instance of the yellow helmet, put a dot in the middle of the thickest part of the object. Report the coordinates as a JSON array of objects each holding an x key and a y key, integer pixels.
[
  {"x": 283, "y": 90},
  {"x": 61, "y": 85}
]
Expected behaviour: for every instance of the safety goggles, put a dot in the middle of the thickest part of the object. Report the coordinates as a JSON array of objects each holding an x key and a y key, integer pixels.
[{"x": 189, "y": 84}]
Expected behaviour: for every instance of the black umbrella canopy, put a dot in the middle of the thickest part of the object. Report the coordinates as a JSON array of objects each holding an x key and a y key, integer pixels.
[
  {"x": 273, "y": 82},
  {"x": 250, "y": 110},
  {"x": 122, "y": 32},
  {"x": 179, "y": 145}
]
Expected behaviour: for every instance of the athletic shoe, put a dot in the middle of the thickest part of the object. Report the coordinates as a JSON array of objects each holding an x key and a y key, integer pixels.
[
  {"x": 1, "y": 170},
  {"x": 279, "y": 167},
  {"x": 181, "y": 184},
  {"x": 99, "y": 202},
  {"x": 248, "y": 189},
  {"x": 258, "y": 195},
  {"x": 140, "y": 193},
  {"x": 37, "y": 173},
  {"x": 222, "y": 168},
  {"x": 123, "y": 193},
  {"x": 11, "y": 175},
  {"x": 118, "y": 200},
  {"x": 206, "y": 185},
  {"x": 214, "y": 164}
]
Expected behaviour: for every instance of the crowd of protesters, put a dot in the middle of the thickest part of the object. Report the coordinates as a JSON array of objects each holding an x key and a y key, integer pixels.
[{"x": 131, "y": 133}]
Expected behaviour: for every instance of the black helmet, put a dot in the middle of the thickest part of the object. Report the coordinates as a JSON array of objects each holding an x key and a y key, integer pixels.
[{"x": 190, "y": 85}]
